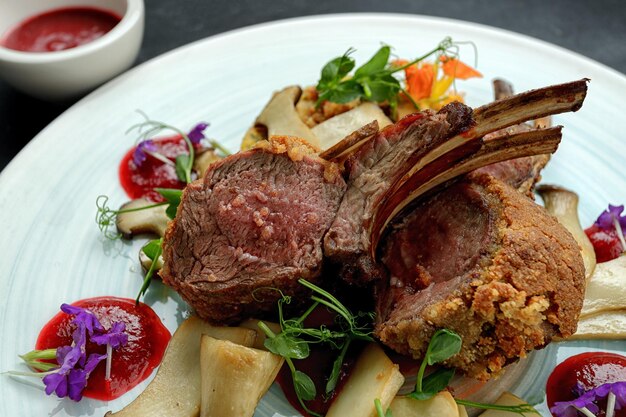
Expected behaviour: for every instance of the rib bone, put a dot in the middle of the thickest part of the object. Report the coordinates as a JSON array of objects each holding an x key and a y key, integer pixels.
[{"x": 501, "y": 148}]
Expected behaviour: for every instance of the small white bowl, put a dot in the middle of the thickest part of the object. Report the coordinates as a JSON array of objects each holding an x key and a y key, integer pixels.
[{"x": 71, "y": 72}]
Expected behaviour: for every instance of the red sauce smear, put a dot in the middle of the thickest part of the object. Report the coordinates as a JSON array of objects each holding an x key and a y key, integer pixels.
[
  {"x": 591, "y": 370},
  {"x": 606, "y": 243},
  {"x": 140, "y": 181},
  {"x": 318, "y": 367},
  {"x": 131, "y": 364},
  {"x": 60, "y": 29}
]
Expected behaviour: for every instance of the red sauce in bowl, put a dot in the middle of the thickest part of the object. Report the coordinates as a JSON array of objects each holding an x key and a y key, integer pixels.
[
  {"x": 590, "y": 370},
  {"x": 131, "y": 364},
  {"x": 60, "y": 29}
]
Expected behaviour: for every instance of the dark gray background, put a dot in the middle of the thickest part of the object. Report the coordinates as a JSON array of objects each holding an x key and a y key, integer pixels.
[{"x": 593, "y": 28}]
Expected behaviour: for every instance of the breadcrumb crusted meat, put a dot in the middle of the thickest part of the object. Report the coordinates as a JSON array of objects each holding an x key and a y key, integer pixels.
[{"x": 518, "y": 286}]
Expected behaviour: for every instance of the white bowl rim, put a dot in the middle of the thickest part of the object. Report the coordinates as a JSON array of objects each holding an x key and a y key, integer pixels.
[{"x": 134, "y": 13}]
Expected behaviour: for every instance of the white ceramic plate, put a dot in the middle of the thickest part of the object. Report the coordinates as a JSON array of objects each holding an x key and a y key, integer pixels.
[{"x": 52, "y": 252}]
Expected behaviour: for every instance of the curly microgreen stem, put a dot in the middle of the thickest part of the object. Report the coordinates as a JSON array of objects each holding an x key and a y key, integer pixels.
[
  {"x": 290, "y": 345},
  {"x": 445, "y": 45},
  {"x": 105, "y": 216},
  {"x": 148, "y": 278},
  {"x": 149, "y": 128},
  {"x": 520, "y": 409},
  {"x": 334, "y": 304}
]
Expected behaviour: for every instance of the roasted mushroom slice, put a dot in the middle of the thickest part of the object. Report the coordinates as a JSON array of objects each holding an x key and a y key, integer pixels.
[
  {"x": 280, "y": 118},
  {"x": 141, "y": 220},
  {"x": 563, "y": 204}
]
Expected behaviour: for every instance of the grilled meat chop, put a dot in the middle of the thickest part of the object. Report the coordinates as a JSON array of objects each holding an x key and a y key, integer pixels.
[{"x": 262, "y": 219}]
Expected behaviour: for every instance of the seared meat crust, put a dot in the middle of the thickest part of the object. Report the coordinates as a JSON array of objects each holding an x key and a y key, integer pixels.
[
  {"x": 253, "y": 225},
  {"x": 523, "y": 285}
]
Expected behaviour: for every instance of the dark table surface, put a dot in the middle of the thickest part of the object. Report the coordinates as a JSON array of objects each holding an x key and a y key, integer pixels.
[{"x": 596, "y": 29}]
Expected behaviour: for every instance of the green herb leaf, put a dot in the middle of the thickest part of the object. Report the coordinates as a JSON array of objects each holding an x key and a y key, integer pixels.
[
  {"x": 152, "y": 249},
  {"x": 305, "y": 388},
  {"x": 158, "y": 245},
  {"x": 376, "y": 63},
  {"x": 287, "y": 346},
  {"x": 336, "y": 371},
  {"x": 182, "y": 168},
  {"x": 172, "y": 196},
  {"x": 381, "y": 88},
  {"x": 433, "y": 384},
  {"x": 373, "y": 81},
  {"x": 336, "y": 69},
  {"x": 334, "y": 375},
  {"x": 438, "y": 380},
  {"x": 343, "y": 93},
  {"x": 443, "y": 345}
]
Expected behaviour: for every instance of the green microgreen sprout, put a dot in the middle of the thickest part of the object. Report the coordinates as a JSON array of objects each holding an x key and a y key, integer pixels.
[
  {"x": 34, "y": 359},
  {"x": 153, "y": 250},
  {"x": 374, "y": 80},
  {"x": 379, "y": 409},
  {"x": 105, "y": 216},
  {"x": 442, "y": 346},
  {"x": 294, "y": 340},
  {"x": 150, "y": 128}
]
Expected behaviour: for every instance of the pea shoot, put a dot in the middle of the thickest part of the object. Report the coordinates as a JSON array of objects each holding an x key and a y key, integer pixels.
[
  {"x": 374, "y": 80},
  {"x": 294, "y": 340},
  {"x": 106, "y": 217},
  {"x": 184, "y": 162},
  {"x": 442, "y": 346},
  {"x": 153, "y": 250}
]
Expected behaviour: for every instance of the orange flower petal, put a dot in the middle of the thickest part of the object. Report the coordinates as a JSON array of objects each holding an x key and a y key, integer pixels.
[
  {"x": 419, "y": 80},
  {"x": 452, "y": 67}
]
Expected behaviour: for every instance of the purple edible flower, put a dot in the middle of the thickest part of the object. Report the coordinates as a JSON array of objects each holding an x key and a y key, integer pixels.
[
  {"x": 84, "y": 316},
  {"x": 114, "y": 337},
  {"x": 570, "y": 408},
  {"x": 70, "y": 379},
  {"x": 69, "y": 357},
  {"x": 197, "y": 133},
  {"x": 140, "y": 153},
  {"x": 606, "y": 219},
  {"x": 77, "y": 378},
  {"x": 589, "y": 399}
]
